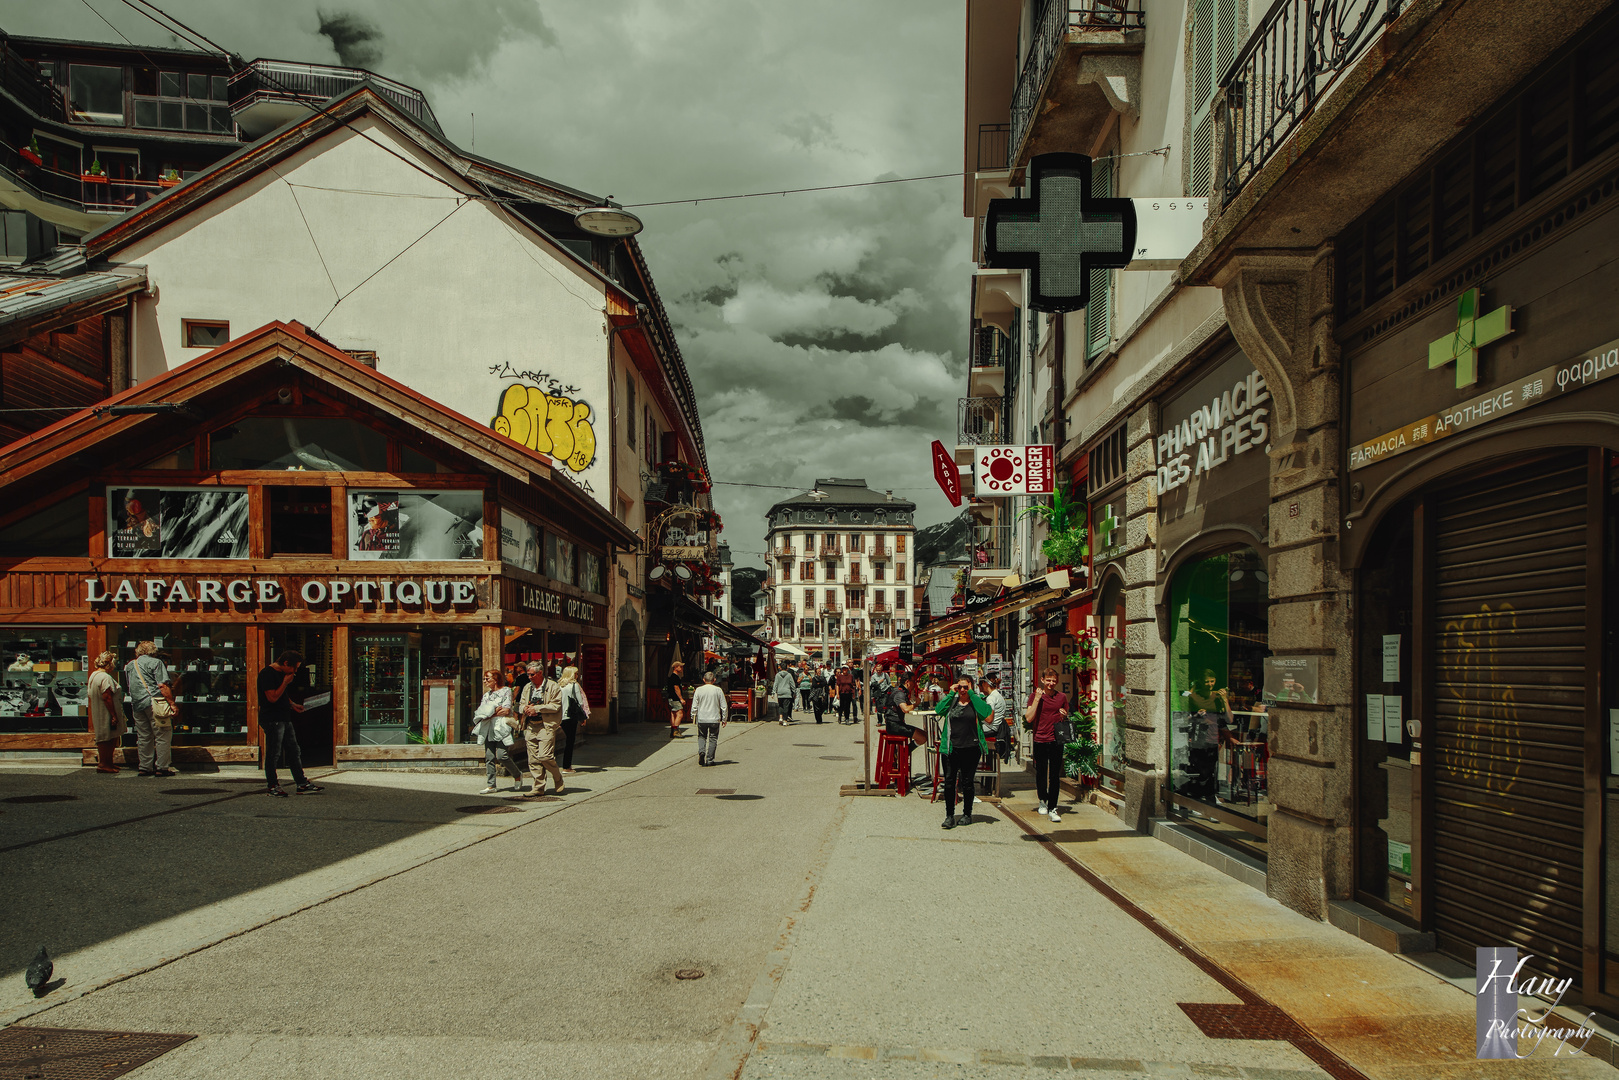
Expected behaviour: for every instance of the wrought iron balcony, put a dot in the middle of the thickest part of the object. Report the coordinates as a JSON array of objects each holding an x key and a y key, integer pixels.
[
  {"x": 1052, "y": 28},
  {"x": 1290, "y": 63},
  {"x": 990, "y": 347},
  {"x": 831, "y": 607},
  {"x": 832, "y": 551},
  {"x": 981, "y": 421},
  {"x": 990, "y": 547},
  {"x": 993, "y": 145},
  {"x": 879, "y": 552}
]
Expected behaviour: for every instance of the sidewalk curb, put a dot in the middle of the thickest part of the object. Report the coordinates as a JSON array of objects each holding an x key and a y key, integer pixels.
[
  {"x": 730, "y": 1057},
  {"x": 66, "y": 994}
]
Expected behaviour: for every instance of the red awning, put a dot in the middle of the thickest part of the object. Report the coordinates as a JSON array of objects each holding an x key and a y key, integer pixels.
[
  {"x": 958, "y": 651},
  {"x": 887, "y": 656}
]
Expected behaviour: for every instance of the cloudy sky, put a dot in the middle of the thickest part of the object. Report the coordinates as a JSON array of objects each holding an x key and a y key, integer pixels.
[{"x": 825, "y": 333}]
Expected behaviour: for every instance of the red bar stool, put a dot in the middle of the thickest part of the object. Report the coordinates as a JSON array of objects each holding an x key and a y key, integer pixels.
[{"x": 894, "y": 763}]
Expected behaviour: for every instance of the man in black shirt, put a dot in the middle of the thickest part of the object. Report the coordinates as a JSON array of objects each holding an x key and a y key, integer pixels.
[
  {"x": 275, "y": 721},
  {"x": 674, "y": 691}
]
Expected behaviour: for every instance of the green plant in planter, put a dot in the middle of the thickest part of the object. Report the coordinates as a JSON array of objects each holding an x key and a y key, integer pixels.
[
  {"x": 95, "y": 166},
  {"x": 1080, "y": 757},
  {"x": 1079, "y": 661},
  {"x": 1067, "y": 527}
]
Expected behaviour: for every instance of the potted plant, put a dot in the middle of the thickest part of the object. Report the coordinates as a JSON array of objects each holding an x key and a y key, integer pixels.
[
  {"x": 30, "y": 153},
  {"x": 1067, "y": 535},
  {"x": 1080, "y": 758},
  {"x": 170, "y": 178},
  {"x": 95, "y": 175}
]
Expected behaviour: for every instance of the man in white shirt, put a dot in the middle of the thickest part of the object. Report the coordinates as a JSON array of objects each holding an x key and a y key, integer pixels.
[
  {"x": 999, "y": 724},
  {"x": 709, "y": 711}
]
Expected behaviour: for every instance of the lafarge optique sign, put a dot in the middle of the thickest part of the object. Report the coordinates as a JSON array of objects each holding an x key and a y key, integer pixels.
[{"x": 191, "y": 592}]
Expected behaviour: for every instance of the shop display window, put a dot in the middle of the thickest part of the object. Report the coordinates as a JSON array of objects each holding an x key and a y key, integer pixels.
[
  {"x": 208, "y": 670},
  {"x": 317, "y": 444},
  {"x": 559, "y": 559},
  {"x": 177, "y": 523},
  {"x": 1111, "y": 680},
  {"x": 415, "y": 686},
  {"x": 46, "y": 674},
  {"x": 60, "y": 529},
  {"x": 1219, "y": 730},
  {"x": 416, "y": 525}
]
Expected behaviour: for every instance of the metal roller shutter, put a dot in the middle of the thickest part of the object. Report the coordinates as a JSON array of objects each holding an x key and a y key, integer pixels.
[{"x": 1508, "y": 714}]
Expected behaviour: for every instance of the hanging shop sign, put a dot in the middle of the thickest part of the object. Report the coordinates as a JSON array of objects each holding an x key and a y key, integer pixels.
[
  {"x": 681, "y": 533},
  {"x": 1015, "y": 470},
  {"x": 907, "y": 649},
  {"x": 963, "y": 636},
  {"x": 191, "y": 593},
  {"x": 1595, "y": 366},
  {"x": 983, "y": 631},
  {"x": 946, "y": 473}
]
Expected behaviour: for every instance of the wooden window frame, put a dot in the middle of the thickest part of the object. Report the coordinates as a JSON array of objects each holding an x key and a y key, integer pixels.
[{"x": 187, "y": 324}]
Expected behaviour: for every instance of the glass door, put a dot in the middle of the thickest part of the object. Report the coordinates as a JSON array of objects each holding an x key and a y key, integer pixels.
[{"x": 311, "y": 687}]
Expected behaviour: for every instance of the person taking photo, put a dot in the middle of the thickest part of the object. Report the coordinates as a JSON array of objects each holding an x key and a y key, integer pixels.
[{"x": 1047, "y": 708}]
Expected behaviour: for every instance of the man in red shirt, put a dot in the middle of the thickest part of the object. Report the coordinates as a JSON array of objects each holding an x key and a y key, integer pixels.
[
  {"x": 1047, "y": 708},
  {"x": 845, "y": 687}
]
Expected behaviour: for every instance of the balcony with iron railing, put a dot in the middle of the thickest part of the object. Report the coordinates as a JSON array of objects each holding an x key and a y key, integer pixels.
[
  {"x": 990, "y": 548},
  {"x": 1084, "y": 59},
  {"x": 33, "y": 91},
  {"x": 268, "y": 93},
  {"x": 981, "y": 421},
  {"x": 991, "y": 351},
  {"x": 831, "y": 608},
  {"x": 832, "y": 550},
  {"x": 854, "y": 575},
  {"x": 879, "y": 552}
]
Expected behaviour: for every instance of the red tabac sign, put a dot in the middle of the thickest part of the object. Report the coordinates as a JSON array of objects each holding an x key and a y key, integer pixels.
[{"x": 946, "y": 473}]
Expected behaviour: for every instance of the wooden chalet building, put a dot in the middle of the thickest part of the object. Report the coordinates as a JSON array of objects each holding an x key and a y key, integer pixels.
[{"x": 275, "y": 493}]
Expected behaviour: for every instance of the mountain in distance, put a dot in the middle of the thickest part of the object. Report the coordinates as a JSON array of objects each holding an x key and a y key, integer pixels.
[
  {"x": 744, "y": 583},
  {"x": 945, "y": 542}
]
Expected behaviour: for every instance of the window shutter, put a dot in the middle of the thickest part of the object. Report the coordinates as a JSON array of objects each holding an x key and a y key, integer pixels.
[
  {"x": 1098, "y": 312},
  {"x": 1204, "y": 15}
]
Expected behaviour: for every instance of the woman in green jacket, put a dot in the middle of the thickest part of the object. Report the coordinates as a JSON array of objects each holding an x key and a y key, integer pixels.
[{"x": 961, "y": 747}]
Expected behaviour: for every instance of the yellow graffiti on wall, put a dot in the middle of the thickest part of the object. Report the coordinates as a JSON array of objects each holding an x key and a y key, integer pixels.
[
  {"x": 549, "y": 423},
  {"x": 1485, "y": 729}
]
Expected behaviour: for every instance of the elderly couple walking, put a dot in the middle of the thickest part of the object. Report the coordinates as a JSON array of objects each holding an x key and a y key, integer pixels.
[{"x": 541, "y": 711}]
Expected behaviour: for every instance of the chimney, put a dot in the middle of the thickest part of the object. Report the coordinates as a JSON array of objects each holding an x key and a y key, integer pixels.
[{"x": 890, "y": 494}]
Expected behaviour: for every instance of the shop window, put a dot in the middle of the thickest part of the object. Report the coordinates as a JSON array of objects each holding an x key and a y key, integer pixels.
[
  {"x": 97, "y": 94},
  {"x": 412, "y": 460},
  {"x": 46, "y": 674},
  {"x": 208, "y": 670},
  {"x": 204, "y": 334},
  {"x": 387, "y": 675},
  {"x": 416, "y": 525},
  {"x": 183, "y": 459},
  {"x": 177, "y": 523},
  {"x": 1218, "y": 725},
  {"x": 316, "y": 444},
  {"x": 60, "y": 529},
  {"x": 300, "y": 520},
  {"x": 591, "y": 575},
  {"x": 1384, "y": 777},
  {"x": 560, "y": 563},
  {"x": 1109, "y": 657}
]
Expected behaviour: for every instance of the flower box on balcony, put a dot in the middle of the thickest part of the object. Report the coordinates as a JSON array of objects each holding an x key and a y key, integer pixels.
[
  {"x": 31, "y": 157},
  {"x": 95, "y": 178},
  {"x": 166, "y": 182}
]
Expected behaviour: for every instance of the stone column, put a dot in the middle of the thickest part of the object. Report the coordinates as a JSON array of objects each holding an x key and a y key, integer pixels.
[
  {"x": 1281, "y": 310},
  {"x": 1145, "y": 717}
]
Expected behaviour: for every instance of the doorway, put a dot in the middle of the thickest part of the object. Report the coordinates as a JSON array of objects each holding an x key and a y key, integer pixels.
[{"x": 312, "y": 684}]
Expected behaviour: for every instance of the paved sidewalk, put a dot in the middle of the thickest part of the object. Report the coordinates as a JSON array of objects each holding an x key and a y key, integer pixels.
[
  {"x": 1383, "y": 1015},
  {"x": 168, "y": 874}
]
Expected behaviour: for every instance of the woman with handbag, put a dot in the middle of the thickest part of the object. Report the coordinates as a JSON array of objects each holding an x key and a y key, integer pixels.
[
  {"x": 152, "y": 700},
  {"x": 493, "y": 728},
  {"x": 106, "y": 712},
  {"x": 575, "y": 711}
]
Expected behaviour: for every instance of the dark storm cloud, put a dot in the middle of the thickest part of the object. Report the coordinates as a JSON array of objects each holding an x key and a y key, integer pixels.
[
  {"x": 358, "y": 43},
  {"x": 784, "y": 306}
]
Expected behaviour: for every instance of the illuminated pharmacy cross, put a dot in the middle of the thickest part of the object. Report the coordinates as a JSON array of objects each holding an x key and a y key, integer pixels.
[
  {"x": 1473, "y": 331},
  {"x": 1060, "y": 234},
  {"x": 1107, "y": 526}
]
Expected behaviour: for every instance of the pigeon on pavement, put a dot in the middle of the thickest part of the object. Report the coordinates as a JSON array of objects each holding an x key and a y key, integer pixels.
[{"x": 39, "y": 972}]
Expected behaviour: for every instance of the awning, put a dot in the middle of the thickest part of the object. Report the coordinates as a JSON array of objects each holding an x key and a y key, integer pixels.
[
  {"x": 790, "y": 650},
  {"x": 1053, "y": 586},
  {"x": 950, "y": 653},
  {"x": 694, "y": 614}
]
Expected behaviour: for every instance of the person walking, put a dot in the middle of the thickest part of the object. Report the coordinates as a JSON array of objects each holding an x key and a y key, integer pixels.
[
  {"x": 819, "y": 693},
  {"x": 844, "y": 682},
  {"x": 675, "y": 695},
  {"x": 540, "y": 708},
  {"x": 806, "y": 684},
  {"x": 148, "y": 680},
  {"x": 494, "y": 729},
  {"x": 1047, "y": 708},
  {"x": 575, "y": 711},
  {"x": 785, "y": 688},
  {"x": 106, "y": 712},
  {"x": 275, "y": 721},
  {"x": 961, "y": 748},
  {"x": 1000, "y": 716},
  {"x": 709, "y": 712}
]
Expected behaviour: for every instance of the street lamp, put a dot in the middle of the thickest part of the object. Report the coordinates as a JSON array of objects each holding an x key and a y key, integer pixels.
[{"x": 608, "y": 220}]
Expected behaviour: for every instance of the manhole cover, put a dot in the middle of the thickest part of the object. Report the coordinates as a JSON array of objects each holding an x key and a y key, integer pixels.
[
  {"x": 42, "y": 798},
  {"x": 189, "y": 791},
  {"x": 495, "y": 809},
  {"x": 716, "y": 791},
  {"x": 690, "y": 973},
  {"x": 1257, "y": 1021},
  {"x": 741, "y": 798},
  {"x": 63, "y": 1054},
  {"x": 836, "y": 757}
]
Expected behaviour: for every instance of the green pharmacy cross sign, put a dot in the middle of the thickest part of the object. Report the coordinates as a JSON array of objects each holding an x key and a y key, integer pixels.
[
  {"x": 1106, "y": 526},
  {"x": 1473, "y": 331}
]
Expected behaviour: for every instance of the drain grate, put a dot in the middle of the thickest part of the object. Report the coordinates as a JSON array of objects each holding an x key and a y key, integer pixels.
[
  {"x": 189, "y": 791},
  {"x": 741, "y": 798},
  {"x": 1256, "y": 1021},
  {"x": 716, "y": 791},
  {"x": 42, "y": 798},
  {"x": 814, "y": 744},
  {"x": 495, "y": 809},
  {"x": 65, "y": 1054},
  {"x": 836, "y": 757}
]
